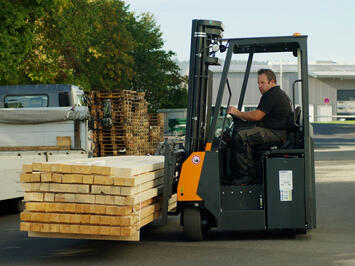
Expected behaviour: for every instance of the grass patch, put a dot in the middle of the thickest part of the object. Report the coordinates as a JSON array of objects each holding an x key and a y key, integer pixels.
[{"x": 349, "y": 122}]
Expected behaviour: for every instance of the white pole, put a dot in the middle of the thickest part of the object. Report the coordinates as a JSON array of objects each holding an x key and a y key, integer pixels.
[{"x": 280, "y": 73}]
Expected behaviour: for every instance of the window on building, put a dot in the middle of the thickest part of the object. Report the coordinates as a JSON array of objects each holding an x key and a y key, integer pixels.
[
  {"x": 345, "y": 95},
  {"x": 249, "y": 108},
  {"x": 26, "y": 101}
]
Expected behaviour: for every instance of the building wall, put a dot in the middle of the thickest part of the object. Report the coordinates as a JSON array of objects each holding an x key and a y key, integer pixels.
[
  {"x": 252, "y": 96},
  {"x": 319, "y": 90}
]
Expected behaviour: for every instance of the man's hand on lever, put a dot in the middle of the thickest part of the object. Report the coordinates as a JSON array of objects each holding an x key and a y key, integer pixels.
[
  {"x": 256, "y": 115},
  {"x": 233, "y": 111}
]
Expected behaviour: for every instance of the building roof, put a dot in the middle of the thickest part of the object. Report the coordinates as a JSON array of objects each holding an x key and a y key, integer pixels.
[
  {"x": 333, "y": 74},
  {"x": 319, "y": 69}
]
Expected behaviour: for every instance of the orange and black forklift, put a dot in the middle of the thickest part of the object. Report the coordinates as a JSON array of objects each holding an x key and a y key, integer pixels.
[{"x": 284, "y": 196}]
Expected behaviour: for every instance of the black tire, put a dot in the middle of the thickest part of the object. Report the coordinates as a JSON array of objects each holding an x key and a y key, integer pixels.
[
  {"x": 301, "y": 231},
  {"x": 192, "y": 224}
]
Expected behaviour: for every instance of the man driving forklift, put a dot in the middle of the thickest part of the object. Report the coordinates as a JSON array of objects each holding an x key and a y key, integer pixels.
[{"x": 264, "y": 126}]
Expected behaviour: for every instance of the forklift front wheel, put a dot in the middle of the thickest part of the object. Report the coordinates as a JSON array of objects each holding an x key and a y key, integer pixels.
[{"x": 192, "y": 224}]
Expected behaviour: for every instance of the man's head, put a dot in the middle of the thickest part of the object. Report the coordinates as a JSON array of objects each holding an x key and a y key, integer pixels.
[{"x": 266, "y": 80}]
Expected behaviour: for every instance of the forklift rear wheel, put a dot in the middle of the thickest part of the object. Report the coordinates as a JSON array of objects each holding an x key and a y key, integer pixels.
[{"x": 192, "y": 224}]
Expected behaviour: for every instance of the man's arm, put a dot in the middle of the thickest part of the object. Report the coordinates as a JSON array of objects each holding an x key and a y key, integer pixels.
[{"x": 256, "y": 115}]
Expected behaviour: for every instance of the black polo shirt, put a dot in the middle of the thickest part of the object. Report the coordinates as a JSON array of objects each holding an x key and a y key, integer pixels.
[{"x": 277, "y": 106}]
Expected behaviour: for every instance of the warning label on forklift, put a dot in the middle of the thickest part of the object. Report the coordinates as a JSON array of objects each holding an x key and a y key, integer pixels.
[{"x": 285, "y": 185}]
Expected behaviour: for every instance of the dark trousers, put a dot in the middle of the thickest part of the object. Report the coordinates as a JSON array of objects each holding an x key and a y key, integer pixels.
[{"x": 244, "y": 141}]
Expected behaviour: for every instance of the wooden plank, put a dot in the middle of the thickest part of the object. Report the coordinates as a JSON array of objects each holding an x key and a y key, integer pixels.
[
  {"x": 127, "y": 231},
  {"x": 130, "y": 220},
  {"x": 172, "y": 206},
  {"x": 33, "y": 177},
  {"x": 134, "y": 237},
  {"x": 125, "y": 191},
  {"x": 27, "y": 187},
  {"x": 140, "y": 197},
  {"x": 88, "y": 179},
  {"x": 68, "y": 188},
  {"x": 86, "y": 208},
  {"x": 42, "y": 222},
  {"x": 57, "y": 177},
  {"x": 74, "y": 198},
  {"x": 137, "y": 165},
  {"x": 118, "y": 166},
  {"x": 44, "y": 187},
  {"x": 64, "y": 142},
  {"x": 46, "y": 177},
  {"x": 137, "y": 189},
  {"x": 45, "y": 167},
  {"x": 32, "y": 148},
  {"x": 106, "y": 190},
  {"x": 173, "y": 198},
  {"x": 33, "y": 196},
  {"x": 138, "y": 179},
  {"x": 61, "y": 168},
  {"x": 103, "y": 180},
  {"x": 27, "y": 168},
  {"x": 81, "y": 169},
  {"x": 49, "y": 197},
  {"x": 72, "y": 178}
]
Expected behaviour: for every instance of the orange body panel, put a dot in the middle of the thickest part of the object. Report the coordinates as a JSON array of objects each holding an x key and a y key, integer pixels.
[
  {"x": 208, "y": 146},
  {"x": 190, "y": 177}
]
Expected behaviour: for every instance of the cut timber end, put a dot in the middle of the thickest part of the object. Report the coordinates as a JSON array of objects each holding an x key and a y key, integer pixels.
[
  {"x": 64, "y": 142},
  {"x": 27, "y": 168}
]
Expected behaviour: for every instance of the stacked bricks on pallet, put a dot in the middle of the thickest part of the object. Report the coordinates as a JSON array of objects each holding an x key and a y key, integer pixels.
[
  {"x": 98, "y": 198},
  {"x": 133, "y": 132}
]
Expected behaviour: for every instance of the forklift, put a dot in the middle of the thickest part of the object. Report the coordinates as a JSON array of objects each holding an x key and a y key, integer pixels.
[{"x": 284, "y": 197}]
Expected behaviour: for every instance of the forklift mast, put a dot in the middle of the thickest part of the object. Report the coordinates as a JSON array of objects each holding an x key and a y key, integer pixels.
[{"x": 205, "y": 37}]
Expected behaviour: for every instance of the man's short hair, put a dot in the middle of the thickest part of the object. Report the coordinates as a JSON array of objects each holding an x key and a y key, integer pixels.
[{"x": 269, "y": 73}]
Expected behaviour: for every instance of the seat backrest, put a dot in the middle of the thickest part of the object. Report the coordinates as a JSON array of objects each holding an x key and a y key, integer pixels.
[{"x": 294, "y": 120}]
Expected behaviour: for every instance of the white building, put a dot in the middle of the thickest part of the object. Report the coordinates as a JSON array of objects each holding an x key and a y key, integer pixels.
[{"x": 331, "y": 87}]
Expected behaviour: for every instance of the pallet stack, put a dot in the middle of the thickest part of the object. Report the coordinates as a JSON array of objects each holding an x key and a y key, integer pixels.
[
  {"x": 99, "y": 198},
  {"x": 132, "y": 132},
  {"x": 156, "y": 133}
]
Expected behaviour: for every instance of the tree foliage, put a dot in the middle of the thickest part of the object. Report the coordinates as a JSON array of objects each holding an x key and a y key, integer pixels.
[{"x": 96, "y": 44}]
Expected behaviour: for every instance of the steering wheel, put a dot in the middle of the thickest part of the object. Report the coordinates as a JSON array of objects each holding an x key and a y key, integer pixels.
[
  {"x": 237, "y": 122},
  {"x": 227, "y": 132}
]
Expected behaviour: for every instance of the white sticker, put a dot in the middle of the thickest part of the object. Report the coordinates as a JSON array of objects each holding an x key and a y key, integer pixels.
[
  {"x": 285, "y": 195},
  {"x": 285, "y": 185},
  {"x": 285, "y": 180}
]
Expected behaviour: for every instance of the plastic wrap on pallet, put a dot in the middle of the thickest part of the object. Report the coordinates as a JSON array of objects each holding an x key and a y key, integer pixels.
[{"x": 42, "y": 115}]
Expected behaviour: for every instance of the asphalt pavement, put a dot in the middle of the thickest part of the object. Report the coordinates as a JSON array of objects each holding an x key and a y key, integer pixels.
[{"x": 331, "y": 243}]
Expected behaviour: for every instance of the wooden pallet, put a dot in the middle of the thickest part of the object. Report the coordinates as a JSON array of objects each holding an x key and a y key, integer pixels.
[{"x": 131, "y": 121}]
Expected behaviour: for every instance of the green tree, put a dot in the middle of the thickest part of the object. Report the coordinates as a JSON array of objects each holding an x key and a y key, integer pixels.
[
  {"x": 96, "y": 44},
  {"x": 85, "y": 43},
  {"x": 156, "y": 72},
  {"x": 17, "y": 36}
]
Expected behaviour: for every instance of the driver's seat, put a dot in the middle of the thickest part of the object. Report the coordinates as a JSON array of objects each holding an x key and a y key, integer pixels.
[{"x": 292, "y": 140}]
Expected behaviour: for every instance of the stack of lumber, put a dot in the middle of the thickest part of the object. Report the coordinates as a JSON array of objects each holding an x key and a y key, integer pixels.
[
  {"x": 134, "y": 131},
  {"x": 98, "y": 198}
]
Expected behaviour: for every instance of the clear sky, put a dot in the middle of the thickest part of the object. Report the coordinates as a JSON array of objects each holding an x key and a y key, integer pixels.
[{"x": 329, "y": 24}]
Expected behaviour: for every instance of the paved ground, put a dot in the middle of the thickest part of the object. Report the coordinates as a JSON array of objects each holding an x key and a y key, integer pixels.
[{"x": 332, "y": 243}]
